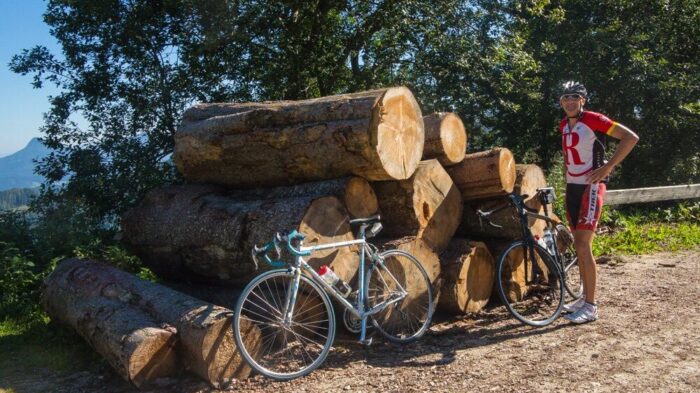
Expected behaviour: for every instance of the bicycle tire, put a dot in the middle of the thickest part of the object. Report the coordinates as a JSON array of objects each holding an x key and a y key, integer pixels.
[
  {"x": 539, "y": 302},
  {"x": 408, "y": 319},
  {"x": 572, "y": 274},
  {"x": 275, "y": 350}
]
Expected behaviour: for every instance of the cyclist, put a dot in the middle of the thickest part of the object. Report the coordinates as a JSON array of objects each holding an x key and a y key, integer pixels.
[{"x": 583, "y": 135}]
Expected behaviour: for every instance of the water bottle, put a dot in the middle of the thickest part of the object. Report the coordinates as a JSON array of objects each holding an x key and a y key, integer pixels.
[
  {"x": 333, "y": 280},
  {"x": 549, "y": 241},
  {"x": 540, "y": 241}
]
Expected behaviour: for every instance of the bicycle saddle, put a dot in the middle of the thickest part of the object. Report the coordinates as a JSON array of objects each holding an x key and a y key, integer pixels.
[{"x": 368, "y": 220}]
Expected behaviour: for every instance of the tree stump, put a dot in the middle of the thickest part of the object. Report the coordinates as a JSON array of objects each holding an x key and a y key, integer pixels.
[
  {"x": 206, "y": 343},
  {"x": 445, "y": 138},
  {"x": 486, "y": 174},
  {"x": 427, "y": 205},
  {"x": 376, "y": 134},
  {"x": 468, "y": 273},
  {"x": 200, "y": 233}
]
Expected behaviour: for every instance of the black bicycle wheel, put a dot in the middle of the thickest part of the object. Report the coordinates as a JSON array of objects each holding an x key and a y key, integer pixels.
[
  {"x": 409, "y": 318},
  {"x": 532, "y": 290},
  {"x": 279, "y": 350}
]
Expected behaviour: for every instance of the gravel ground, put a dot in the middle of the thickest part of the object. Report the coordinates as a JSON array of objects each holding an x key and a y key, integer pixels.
[{"x": 647, "y": 339}]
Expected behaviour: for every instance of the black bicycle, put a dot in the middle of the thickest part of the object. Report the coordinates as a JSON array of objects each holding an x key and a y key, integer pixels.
[{"x": 532, "y": 274}]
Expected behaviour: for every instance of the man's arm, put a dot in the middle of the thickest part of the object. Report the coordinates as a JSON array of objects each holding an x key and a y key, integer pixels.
[{"x": 627, "y": 139}]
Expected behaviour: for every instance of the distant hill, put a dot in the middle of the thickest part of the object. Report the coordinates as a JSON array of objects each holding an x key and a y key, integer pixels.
[
  {"x": 17, "y": 170},
  {"x": 17, "y": 197}
]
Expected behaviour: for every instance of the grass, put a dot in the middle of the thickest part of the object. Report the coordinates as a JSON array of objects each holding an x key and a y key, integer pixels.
[
  {"x": 28, "y": 349},
  {"x": 650, "y": 229}
]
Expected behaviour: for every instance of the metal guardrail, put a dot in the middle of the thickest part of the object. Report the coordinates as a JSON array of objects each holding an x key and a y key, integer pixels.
[{"x": 652, "y": 194}]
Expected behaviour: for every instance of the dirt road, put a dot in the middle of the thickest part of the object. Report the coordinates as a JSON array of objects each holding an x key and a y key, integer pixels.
[{"x": 648, "y": 339}]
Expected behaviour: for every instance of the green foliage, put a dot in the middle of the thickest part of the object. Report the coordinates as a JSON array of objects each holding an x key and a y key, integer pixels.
[
  {"x": 19, "y": 282},
  {"x": 647, "y": 229}
]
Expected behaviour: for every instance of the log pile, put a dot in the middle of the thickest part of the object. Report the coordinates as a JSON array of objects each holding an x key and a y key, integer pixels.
[{"x": 253, "y": 169}]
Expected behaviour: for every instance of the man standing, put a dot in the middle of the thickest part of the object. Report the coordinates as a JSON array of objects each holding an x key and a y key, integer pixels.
[{"x": 583, "y": 134}]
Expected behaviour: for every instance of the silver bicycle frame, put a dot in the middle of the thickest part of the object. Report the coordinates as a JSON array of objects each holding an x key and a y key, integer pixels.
[{"x": 359, "y": 310}]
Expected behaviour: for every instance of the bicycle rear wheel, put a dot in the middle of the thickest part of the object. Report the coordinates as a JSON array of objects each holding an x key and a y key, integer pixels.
[
  {"x": 572, "y": 274},
  {"x": 279, "y": 350},
  {"x": 408, "y": 319},
  {"x": 532, "y": 290}
]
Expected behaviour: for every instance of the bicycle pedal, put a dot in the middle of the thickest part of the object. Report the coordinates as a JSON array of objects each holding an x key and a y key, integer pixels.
[{"x": 367, "y": 342}]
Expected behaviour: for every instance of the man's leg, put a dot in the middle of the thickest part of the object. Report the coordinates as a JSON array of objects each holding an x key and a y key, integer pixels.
[{"x": 583, "y": 241}]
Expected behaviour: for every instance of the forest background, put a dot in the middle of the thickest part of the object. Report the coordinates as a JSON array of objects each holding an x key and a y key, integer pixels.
[{"x": 130, "y": 68}]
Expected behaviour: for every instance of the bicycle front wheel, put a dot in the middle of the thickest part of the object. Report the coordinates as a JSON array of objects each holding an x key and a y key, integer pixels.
[
  {"x": 279, "y": 349},
  {"x": 407, "y": 319},
  {"x": 532, "y": 290}
]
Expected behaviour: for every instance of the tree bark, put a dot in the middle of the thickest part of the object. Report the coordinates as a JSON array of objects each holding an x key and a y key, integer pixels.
[
  {"x": 486, "y": 174},
  {"x": 445, "y": 138},
  {"x": 355, "y": 192},
  {"x": 468, "y": 273},
  {"x": 528, "y": 179},
  {"x": 377, "y": 135},
  {"x": 200, "y": 233},
  {"x": 427, "y": 205},
  {"x": 132, "y": 342},
  {"x": 206, "y": 343}
]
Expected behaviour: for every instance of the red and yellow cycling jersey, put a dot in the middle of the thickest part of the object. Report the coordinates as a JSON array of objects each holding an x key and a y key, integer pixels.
[{"x": 584, "y": 144}]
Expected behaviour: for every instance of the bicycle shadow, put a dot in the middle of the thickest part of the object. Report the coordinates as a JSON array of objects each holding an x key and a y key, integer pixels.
[{"x": 447, "y": 336}]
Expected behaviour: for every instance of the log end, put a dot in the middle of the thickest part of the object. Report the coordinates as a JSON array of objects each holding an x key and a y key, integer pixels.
[
  {"x": 398, "y": 134},
  {"x": 507, "y": 169},
  {"x": 360, "y": 199},
  {"x": 154, "y": 355},
  {"x": 453, "y": 136}
]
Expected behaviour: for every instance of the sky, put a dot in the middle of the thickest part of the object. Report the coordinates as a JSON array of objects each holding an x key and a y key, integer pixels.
[{"x": 21, "y": 106}]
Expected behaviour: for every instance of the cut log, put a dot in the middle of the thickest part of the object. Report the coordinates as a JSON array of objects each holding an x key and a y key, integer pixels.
[
  {"x": 514, "y": 270},
  {"x": 427, "y": 205},
  {"x": 377, "y": 135},
  {"x": 356, "y": 193},
  {"x": 445, "y": 138},
  {"x": 206, "y": 343},
  {"x": 486, "y": 174},
  {"x": 468, "y": 272},
  {"x": 200, "y": 233},
  {"x": 528, "y": 179},
  {"x": 132, "y": 342},
  {"x": 420, "y": 249}
]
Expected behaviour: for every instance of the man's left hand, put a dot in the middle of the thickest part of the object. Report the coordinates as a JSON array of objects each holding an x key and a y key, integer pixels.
[{"x": 597, "y": 175}]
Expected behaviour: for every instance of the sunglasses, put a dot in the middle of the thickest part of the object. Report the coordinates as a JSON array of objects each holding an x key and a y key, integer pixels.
[{"x": 571, "y": 97}]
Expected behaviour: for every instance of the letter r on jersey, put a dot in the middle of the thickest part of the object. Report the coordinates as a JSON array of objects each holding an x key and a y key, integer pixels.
[{"x": 570, "y": 142}]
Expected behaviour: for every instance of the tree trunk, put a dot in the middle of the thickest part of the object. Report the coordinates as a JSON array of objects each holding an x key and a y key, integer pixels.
[
  {"x": 377, "y": 135},
  {"x": 468, "y": 272},
  {"x": 200, "y": 233},
  {"x": 528, "y": 179},
  {"x": 206, "y": 343},
  {"x": 427, "y": 205},
  {"x": 356, "y": 192},
  {"x": 445, "y": 138},
  {"x": 486, "y": 174},
  {"x": 132, "y": 342}
]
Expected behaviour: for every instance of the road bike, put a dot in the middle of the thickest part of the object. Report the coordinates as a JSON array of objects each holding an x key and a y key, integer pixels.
[
  {"x": 545, "y": 268},
  {"x": 284, "y": 322}
]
